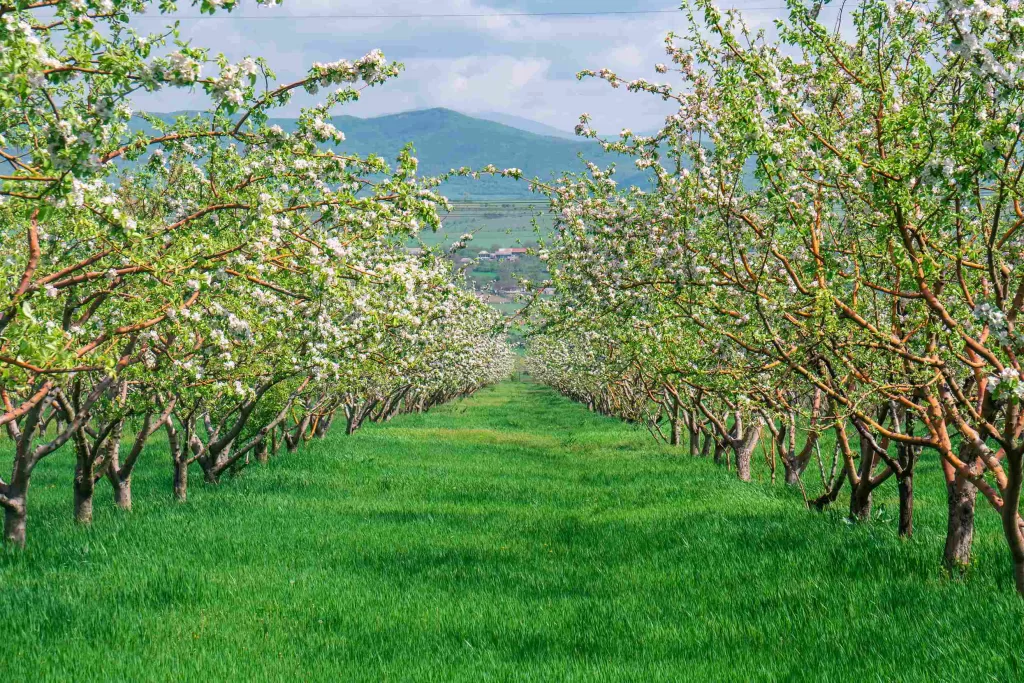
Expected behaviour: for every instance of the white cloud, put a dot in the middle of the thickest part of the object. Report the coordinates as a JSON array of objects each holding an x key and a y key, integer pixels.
[
  {"x": 519, "y": 65},
  {"x": 629, "y": 56}
]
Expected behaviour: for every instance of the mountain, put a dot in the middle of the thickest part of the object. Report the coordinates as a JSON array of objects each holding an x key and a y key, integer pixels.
[
  {"x": 529, "y": 125},
  {"x": 444, "y": 139}
]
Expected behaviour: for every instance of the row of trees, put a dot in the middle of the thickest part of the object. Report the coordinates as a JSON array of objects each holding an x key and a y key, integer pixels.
[
  {"x": 829, "y": 255},
  {"x": 215, "y": 279}
]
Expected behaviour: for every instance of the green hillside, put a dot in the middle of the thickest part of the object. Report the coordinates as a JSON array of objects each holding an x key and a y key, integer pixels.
[{"x": 445, "y": 139}]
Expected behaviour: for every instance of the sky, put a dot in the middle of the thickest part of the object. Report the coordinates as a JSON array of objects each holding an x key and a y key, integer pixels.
[{"x": 519, "y": 65}]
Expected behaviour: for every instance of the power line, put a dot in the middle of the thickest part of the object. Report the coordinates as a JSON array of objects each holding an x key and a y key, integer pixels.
[{"x": 555, "y": 15}]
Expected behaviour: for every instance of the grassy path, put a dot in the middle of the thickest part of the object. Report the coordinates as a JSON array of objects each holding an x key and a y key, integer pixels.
[{"x": 512, "y": 536}]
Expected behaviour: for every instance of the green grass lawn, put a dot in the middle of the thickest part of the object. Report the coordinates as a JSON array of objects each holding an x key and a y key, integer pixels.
[{"x": 511, "y": 536}]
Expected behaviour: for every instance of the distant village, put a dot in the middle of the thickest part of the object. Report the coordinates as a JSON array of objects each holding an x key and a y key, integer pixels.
[
  {"x": 503, "y": 254},
  {"x": 510, "y": 254},
  {"x": 490, "y": 275}
]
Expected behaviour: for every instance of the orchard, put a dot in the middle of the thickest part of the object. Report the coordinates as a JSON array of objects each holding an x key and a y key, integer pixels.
[{"x": 812, "y": 281}]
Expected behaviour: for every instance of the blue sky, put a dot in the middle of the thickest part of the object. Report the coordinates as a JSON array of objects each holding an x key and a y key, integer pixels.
[{"x": 524, "y": 66}]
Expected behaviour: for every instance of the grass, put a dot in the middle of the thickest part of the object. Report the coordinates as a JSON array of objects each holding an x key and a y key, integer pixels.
[{"x": 511, "y": 536}]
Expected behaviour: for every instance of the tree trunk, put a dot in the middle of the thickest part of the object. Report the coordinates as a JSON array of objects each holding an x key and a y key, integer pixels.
[
  {"x": 743, "y": 462},
  {"x": 693, "y": 435},
  {"x": 792, "y": 475},
  {"x": 906, "y": 489},
  {"x": 673, "y": 416},
  {"x": 180, "y": 480},
  {"x": 15, "y": 519},
  {"x": 1012, "y": 530},
  {"x": 354, "y": 417},
  {"x": 860, "y": 501},
  {"x": 793, "y": 464},
  {"x": 860, "y": 493},
  {"x": 262, "y": 454},
  {"x": 121, "y": 482},
  {"x": 85, "y": 485},
  {"x": 705, "y": 450},
  {"x": 292, "y": 442},
  {"x": 961, "y": 495},
  {"x": 122, "y": 492},
  {"x": 1011, "y": 514},
  {"x": 747, "y": 440}
]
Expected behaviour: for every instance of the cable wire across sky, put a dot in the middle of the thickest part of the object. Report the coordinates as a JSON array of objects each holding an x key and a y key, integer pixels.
[{"x": 495, "y": 15}]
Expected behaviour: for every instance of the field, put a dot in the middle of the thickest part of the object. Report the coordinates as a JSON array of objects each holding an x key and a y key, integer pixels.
[
  {"x": 510, "y": 536},
  {"x": 497, "y": 223}
]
